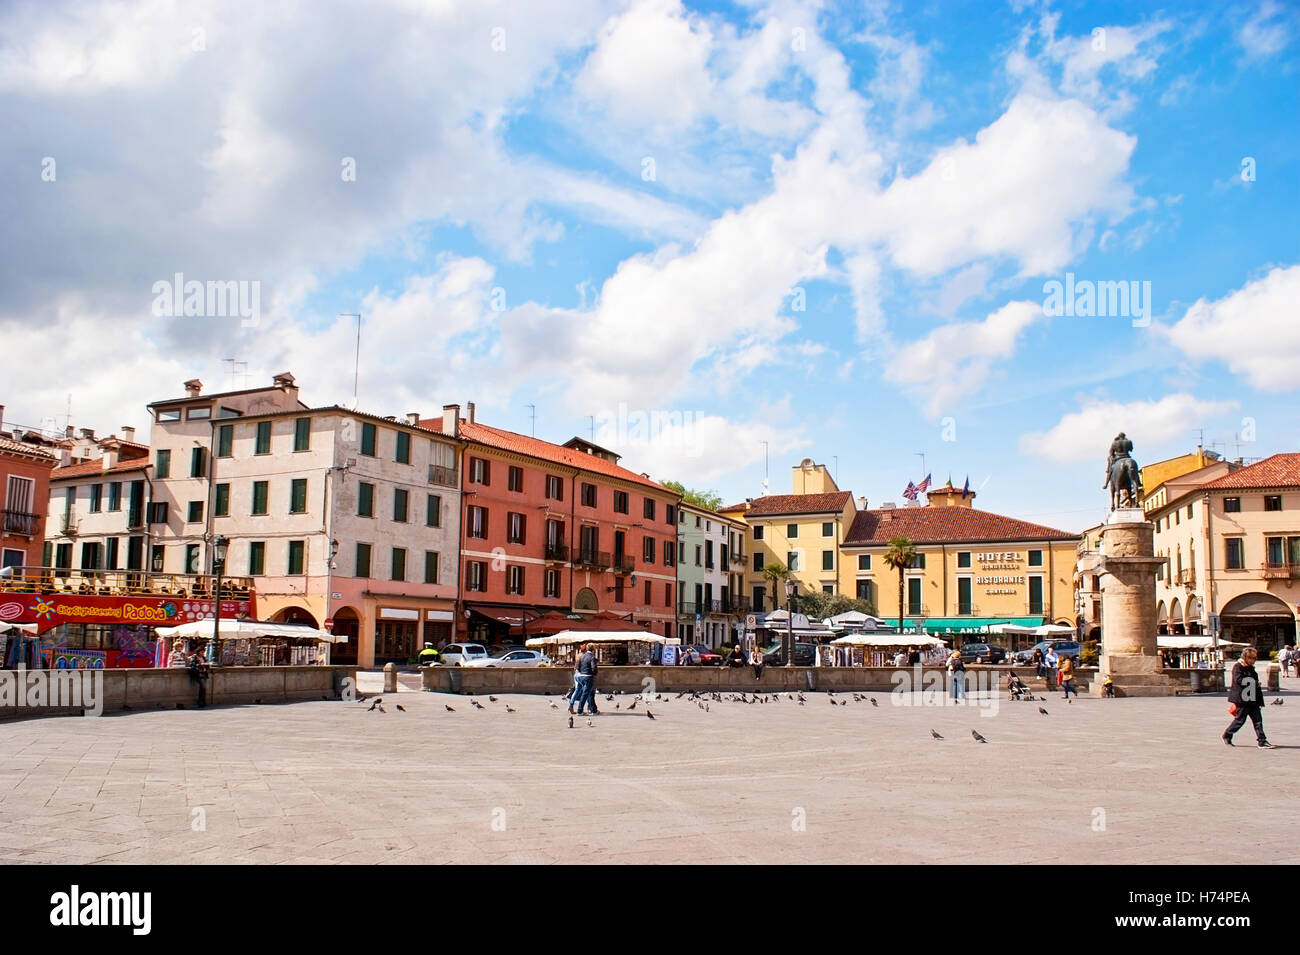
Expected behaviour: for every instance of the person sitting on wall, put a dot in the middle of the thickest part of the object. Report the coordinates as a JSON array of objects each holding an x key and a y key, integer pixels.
[{"x": 737, "y": 657}]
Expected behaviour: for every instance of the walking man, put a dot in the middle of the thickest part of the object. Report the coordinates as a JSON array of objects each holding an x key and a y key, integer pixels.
[
  {"x": 1067, "y": 678},
  {"x": 584, "y": 693},
  {"x": 1246, "y": 697},
  {"x": 957, "y": 668}
]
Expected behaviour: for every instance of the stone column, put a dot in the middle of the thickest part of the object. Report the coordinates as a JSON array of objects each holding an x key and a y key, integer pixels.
[{"x": 1128, "y": 607}]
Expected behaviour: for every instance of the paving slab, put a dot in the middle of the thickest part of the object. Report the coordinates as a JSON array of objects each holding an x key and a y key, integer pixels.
[{"x": 1104, "y": 782}]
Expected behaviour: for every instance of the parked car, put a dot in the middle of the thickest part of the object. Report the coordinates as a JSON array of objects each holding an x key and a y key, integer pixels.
[
  {"x": 458, "y": 654},
  {"x": 514, "y": 658},
  {"x": 498, "y": 650},
  {"x": 982, "y": 653},
  {"x": 708, "y": 657},
  {"x": 805, "y": 655},
  {"x": 1064, "y": 648}
]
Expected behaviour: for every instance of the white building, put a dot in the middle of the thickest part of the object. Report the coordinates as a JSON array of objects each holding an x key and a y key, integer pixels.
[{"x": 711, "y": 565}]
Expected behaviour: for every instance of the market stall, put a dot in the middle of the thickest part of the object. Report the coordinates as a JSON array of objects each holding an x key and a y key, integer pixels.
[
  {"x": 612, "y": 647},
  {"x": 880, "y": 649},
  {"x": 253, "y": 643},
  {"x": 1193, "y": 651}
]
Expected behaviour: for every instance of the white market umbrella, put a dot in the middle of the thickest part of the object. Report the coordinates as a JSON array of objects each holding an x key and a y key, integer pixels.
[{"x": 248, "y": 629}]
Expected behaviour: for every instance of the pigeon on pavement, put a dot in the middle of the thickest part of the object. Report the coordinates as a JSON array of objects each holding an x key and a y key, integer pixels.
[
  {"x": 935, "y": 735},
  {"x": 401, "y": 708},
  {"x": 977, "y": 737},
  {"x": 649, "y": 714},
  {"x": 449, "y": 709},
  {"x": 1042, "y": 710},
  {"x": 570, "y": 722}
]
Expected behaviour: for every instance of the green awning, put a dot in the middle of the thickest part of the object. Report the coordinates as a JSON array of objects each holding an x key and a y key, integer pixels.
[{"x": 967, "y": 624}]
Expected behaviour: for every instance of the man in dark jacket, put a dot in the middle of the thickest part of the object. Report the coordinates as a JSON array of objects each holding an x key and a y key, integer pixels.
[{"x": 1247, "y": 695}]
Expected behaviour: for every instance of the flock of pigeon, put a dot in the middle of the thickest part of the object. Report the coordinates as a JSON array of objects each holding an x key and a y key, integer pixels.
[{"x": 701, "y": 700}]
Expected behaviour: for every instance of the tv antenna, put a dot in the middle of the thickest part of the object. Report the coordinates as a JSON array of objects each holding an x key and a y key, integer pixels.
[
  {"x": 533, "y": 410},
  {"x": 356, "y": 367},
  {"x": 237, "y": 367}
]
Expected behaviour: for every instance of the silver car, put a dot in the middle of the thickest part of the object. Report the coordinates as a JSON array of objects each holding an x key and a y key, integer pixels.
[
  {"x": 515, "y": 658},
  {"x": 462, "y": 654}
]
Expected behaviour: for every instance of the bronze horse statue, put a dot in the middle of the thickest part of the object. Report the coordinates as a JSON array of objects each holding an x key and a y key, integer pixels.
[{"x": 1125, "y": 483}]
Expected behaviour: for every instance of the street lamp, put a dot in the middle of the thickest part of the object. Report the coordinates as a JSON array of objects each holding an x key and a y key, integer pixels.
[
  {"x": 219, "y": 547},
  {"x": 791, "y": 590}
]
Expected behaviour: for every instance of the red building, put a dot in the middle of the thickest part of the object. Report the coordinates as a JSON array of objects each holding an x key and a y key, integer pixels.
[
  {"x": 25, "y": 483},
  {"x": 557, "y": 527}
]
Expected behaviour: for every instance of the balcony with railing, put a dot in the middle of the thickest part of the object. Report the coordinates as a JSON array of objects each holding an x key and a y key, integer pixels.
[
  {"x": 127, "y": 583},
  {"x": 715, "y": 606},
  {"x": 686, "y": 608},
  {"x": 135, "y": 518},
  {"x": 739, "y": 605},
  {"x": 443, "y": 476},
  {"x": 23, "y": 523},
  {"x": 557, "y": 553},
  {"x": 1272, "y": 571},
  {"x": 739, "y": 558},
  {"x": 624, "y": 564},
  {"x": 1186, "y": 578},
  {"x": 596, "y": 559}
]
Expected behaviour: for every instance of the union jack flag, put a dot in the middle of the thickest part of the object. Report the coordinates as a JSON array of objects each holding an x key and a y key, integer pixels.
[{"x": 911, "y": 492}]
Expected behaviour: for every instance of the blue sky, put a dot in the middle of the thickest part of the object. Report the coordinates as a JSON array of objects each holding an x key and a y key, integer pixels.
[{"x": 827, "y": 227}]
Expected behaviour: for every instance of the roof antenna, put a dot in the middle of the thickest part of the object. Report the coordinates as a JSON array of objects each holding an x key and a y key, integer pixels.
[
  {"x": 593, "y": 427},
  {"x": 356, "y": 367},
  {"x": 533, "y": 409}
]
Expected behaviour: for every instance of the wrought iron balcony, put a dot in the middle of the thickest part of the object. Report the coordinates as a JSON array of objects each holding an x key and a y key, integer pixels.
[
  {"x": 686, "y": 608},
  {"x": 1280, "y": 571},
  {"x": 23, "y": 523},
  {"x": 441, "y": 475},
  {"x": 91, "y": 582},
  {"x": 624, "y": 564},
  {"x": 557, "y": 552},
  {"x": 598, "y": 559}
]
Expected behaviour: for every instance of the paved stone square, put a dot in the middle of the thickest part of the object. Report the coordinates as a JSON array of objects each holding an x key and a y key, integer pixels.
[{"x": 1095, "y": 781}]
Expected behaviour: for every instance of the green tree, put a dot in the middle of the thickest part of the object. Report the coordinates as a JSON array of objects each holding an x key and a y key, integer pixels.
[
  {"x": 709, "y": 500},
  {"x": 819, "y": 606},
  {"x": 776, "y": 573},
  {"x": 900, "y": 556}
]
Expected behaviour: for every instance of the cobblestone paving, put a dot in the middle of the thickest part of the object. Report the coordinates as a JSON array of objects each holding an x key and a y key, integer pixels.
[{"x": 1095, "y": 781}]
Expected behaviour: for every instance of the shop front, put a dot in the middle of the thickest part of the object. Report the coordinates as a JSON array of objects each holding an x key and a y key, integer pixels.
[
  {"x": 88, "y": 631},
  {"x": 395, "y": 629}
]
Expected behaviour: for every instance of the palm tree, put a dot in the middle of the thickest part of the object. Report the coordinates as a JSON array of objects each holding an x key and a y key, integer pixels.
[
  {"x": 776, "y": 572},
  {"x": 900, "y": 556}
]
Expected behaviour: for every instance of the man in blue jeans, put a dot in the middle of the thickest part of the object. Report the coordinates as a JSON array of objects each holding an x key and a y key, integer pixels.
[{"x": 585, "y": 692}]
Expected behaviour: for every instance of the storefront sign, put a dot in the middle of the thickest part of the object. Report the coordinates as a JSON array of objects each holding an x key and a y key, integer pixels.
[
  {"x": 398, "y": 613},
  {"x": 444, "y": 615}
]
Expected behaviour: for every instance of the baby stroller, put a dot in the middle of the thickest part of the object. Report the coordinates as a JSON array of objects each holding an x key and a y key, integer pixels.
[{"x": 1017, "y": 691}]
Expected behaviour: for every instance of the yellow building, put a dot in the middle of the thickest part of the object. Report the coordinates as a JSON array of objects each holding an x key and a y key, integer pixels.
[
  {"x": 1156, "y": 477},
  {"x": 973, "y": 569},
  {"x": 803, "y": 531}
]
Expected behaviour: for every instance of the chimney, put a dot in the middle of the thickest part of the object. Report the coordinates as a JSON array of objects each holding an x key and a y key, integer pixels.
[
  {"x": 451, "y": 420},
  {"x": 2, "y": 417},
  {"x": 67, "y": 432},
  {"x": 469, "y": 412},
  {"x": 284, "y": 381},
  {"x": 193, "y": 387},
  {"x": 110, "y": 458},
  {"x": 88, "y": 434},
  {"x": 413, "y": 418},
  {"x": 128, "y": 433}
]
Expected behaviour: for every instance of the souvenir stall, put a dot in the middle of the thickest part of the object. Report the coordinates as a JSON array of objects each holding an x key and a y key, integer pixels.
[
  {"x": 19, "y": 646},
  {"x": 1193, "y": 651},
  {"x": 612, "y": 647},
  {"x": 253, "y": 643},
  {"x": 879, "y": 649}
]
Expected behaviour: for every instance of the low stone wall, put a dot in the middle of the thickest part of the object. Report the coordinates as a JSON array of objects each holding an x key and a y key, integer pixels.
[
  {"x": 148, "y": 689},
  {"x": 557, "y": 680}
]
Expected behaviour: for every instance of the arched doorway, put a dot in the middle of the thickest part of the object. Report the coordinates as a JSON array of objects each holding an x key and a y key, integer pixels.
[
  {"x": 584, "y": 601},
  {"x": 1176, "y": 617},
  {"x": 1262, "y": 620},
  {"x": 347, "y": 623},
  {"x": 1192, "y": 615},
  {"x": 295, "y": 615},
  {"x": 1162, "y": 619}
]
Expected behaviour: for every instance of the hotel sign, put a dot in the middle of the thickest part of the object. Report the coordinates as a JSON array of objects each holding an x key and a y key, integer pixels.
[{"x": 1000, "y": 583}]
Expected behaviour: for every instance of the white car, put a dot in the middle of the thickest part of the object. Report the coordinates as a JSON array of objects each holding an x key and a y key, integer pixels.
[
  {"x": 462, "y": 654},
  {"x": 515, "y": 658}
]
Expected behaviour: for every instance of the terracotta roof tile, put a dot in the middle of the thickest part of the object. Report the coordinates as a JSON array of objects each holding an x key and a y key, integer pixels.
[
  {"x": 22, "y": 447},
  {"x": 1278, "y": 470},
  {"x": 96, "y": 467},
  {"x": 544, "y": 450},
  {"x": 774, "y": 504},
  {"x": 945, "y": 525}
]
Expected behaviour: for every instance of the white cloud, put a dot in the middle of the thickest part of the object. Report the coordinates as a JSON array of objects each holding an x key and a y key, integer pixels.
[
  {"x": 1084, "y": 435},
  {"x": 1266, "y": 33},
  {"x": 954, "y": 360},
  {"x": 1253, "y": 330}
]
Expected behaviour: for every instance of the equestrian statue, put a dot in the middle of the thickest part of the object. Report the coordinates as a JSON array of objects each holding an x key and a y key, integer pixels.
[{"x": 1122, "y": 474}]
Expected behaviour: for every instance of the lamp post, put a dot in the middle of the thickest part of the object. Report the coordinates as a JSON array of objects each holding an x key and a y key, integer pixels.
[
  {"x": 219, "y": 547},
  {"x": 791, "y": 588}
]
